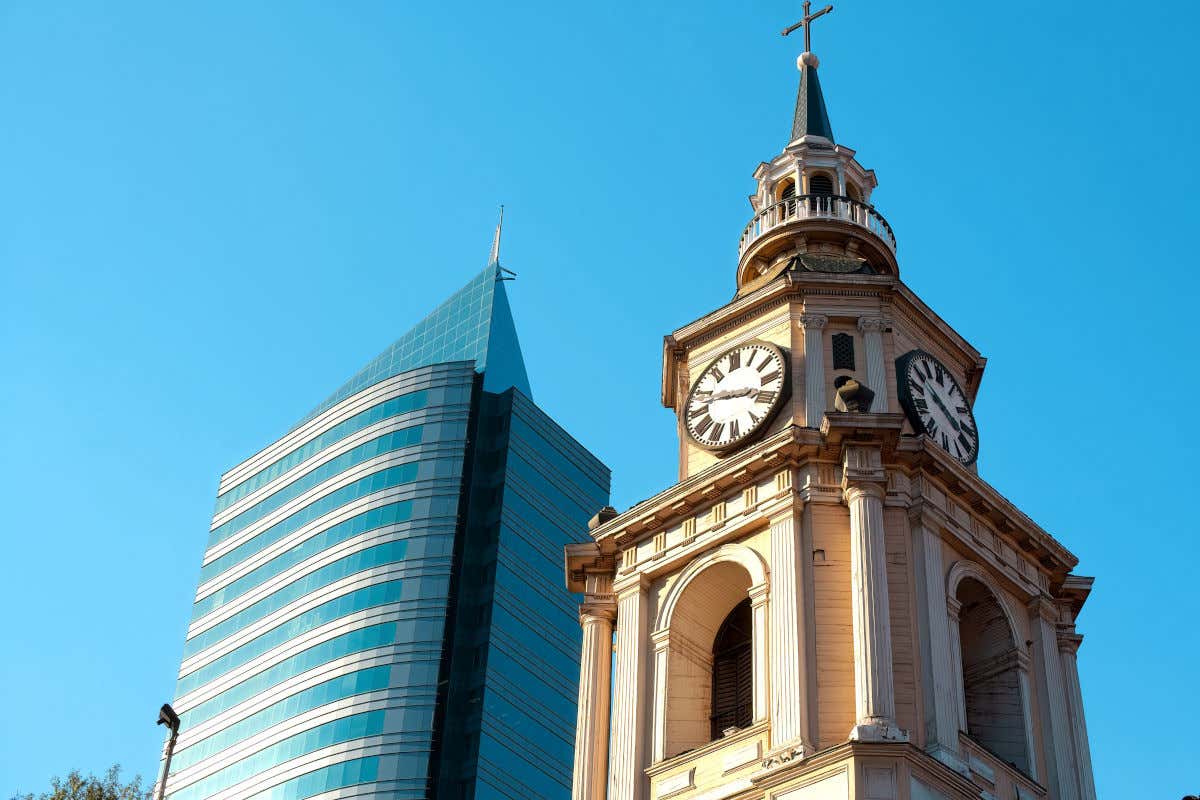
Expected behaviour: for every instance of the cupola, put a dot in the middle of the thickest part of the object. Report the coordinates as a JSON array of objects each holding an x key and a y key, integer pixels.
[{"x": 812, "y": 208}]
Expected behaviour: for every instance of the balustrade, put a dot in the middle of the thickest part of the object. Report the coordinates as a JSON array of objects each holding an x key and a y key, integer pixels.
[{"x": 817, "y": 206}]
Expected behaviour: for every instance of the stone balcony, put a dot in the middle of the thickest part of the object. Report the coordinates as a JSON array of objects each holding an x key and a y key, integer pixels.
[{"x": 849, "y": 226}]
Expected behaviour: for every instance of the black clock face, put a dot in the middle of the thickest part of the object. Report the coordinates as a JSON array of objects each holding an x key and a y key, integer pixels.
[
  {"x": 936, "y": 405},
  {"x": 736, "y": 396}
]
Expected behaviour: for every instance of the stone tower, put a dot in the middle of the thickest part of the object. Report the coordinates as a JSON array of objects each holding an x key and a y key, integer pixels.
[{"x": 831, "y": 602}]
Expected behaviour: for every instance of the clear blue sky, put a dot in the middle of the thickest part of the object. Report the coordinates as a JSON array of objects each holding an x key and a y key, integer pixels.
[{"x": 213, "y": 213}]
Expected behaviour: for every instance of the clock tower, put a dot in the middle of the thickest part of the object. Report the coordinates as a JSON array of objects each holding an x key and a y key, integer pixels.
[{"x": 831, "y": 602}]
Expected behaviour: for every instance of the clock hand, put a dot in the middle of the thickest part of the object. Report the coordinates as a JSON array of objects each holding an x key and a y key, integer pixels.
[{"x": 945, "y": 411}]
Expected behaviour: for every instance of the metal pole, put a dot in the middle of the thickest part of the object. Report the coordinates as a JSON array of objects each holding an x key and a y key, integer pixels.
[{"x": 168, "y": 717}]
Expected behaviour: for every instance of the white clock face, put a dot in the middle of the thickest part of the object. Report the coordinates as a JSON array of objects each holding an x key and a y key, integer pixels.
[
  {"x": 736, "y": 395},
  {"x": 937, "y": 406}
]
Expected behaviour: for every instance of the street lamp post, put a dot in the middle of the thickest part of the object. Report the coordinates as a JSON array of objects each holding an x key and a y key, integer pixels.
[{"x": 168, "y": 717}]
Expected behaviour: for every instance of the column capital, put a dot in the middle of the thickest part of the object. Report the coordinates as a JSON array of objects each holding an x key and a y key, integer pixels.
[
  {"x": 628, "y": 584},
  {"x": 872, "y": 324},
  {"x": 758, "y": 594},
  {"x": 861, "y": 489},
  {"x": 1069, "y": 641},
  {"x": 813, "y": 321},
  {"x": 862, "y": 468},
  {"x": 598, "y": 609},
  {"x": 953, "y": 608},
  {"x": 1040, "y": 607}
]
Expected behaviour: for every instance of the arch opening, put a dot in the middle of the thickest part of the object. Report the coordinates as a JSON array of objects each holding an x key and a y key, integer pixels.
[
  {"x": 995, "y": 714},
  {"x": 710, "y": 659}
]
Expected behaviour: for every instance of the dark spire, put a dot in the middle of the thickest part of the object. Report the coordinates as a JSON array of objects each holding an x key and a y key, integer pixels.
[{"x": 811, "y": 117}]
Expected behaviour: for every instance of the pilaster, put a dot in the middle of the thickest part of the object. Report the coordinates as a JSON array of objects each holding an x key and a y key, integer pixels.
[
  {"x": 814, "y": 368},
  {"x": 627, "y": 761},
  {"x": 937, "y": 664},
  {"x": 1052, "y": 702},
  {"x": 789, "y": 656},
  {"x": 872, "y": 331}
]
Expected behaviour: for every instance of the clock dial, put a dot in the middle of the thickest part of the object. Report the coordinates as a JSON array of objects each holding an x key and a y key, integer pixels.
[
  {"x": 936, "y": 405},
  {"x": 736, "y": 396}
]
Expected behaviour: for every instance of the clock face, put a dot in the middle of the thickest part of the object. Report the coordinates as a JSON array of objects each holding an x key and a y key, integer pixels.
[
  {"x": 936, "y": 405},
  {"x": 736, "y": 395}
]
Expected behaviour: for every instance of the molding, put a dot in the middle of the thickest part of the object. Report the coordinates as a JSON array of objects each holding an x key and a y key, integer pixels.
[{"x": 739, "y": 554}]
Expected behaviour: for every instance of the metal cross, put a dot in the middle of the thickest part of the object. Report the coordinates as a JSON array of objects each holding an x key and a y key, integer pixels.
[{"x": 806, "y": 23}]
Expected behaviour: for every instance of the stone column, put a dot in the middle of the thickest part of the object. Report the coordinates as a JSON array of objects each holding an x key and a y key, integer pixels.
[
  {"x": 662, "y": 653},
  {"x": 937, "y": 663},
  {"x": 953, "y": 609},
  {"x": 591, "y": 722},
  {"x": 1068, "y": 646},
  {"x": 627, "y": 761},
  {"x": 814, "y": 368},
  {"x": 1052, "y": 702},
  {"x": 789, "y": 644},
  {"x": 760, "y": 641},
  {"x": 1023, "y": 665},
  {"x": 874, "y": 693},
  {"x": 872, "y": 331}
]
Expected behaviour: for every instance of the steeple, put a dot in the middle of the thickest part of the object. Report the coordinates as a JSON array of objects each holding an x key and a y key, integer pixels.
[{"x": 811, "y": 119}]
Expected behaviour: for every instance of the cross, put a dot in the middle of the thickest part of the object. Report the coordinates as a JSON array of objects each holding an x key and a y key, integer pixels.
[{"x": 806, "y": 23}]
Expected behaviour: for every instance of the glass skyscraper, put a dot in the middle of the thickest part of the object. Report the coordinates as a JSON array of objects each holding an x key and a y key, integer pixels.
[{"x": 380, "y": 610}]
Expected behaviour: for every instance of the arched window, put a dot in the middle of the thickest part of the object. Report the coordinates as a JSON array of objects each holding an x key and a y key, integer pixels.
[
  {"x": 788, "y": 194},
  {"x": 991, "y": 675},
  {"x": 732, "y": 672},
  {"x": 820, "y": 183}
]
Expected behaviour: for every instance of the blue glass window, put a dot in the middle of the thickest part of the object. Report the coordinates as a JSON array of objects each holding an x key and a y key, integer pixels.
[
  {"x": 371, "y": 596},
  {"x": 389, "y": 442},
  {"x": 337, "y": 731},
  {"x": 347, "y": 644},
  {"x": 394, "y": 407},
  {"x": 335, "y": 776},
  {"x": 385, "y": 479},
  {"x": 339, "y": 688},
  {"x": 390, "y": 514},
  {"x": 355, "y": 562}
]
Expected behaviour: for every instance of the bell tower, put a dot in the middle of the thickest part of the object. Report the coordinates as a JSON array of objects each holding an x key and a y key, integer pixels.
[{"x": 831, "y": 602}]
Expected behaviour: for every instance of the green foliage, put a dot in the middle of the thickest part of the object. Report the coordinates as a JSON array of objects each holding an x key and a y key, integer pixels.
[{"x": 79, "y": 787}]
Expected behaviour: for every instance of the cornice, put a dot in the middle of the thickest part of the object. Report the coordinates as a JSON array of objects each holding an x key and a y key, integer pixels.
[
  {"x": 982, "y": 498},
  {"x": 785, "y": 448}
]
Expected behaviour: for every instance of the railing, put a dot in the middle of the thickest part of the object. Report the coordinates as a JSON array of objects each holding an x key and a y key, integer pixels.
[{"x": 817, "y": 206}]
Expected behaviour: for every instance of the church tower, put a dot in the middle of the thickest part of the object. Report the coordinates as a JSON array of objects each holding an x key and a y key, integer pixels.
[{"x": 831, "y": 602}]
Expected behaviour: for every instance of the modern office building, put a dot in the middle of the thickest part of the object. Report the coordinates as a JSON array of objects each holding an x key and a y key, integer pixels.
[{"x": 380, "y": 610}]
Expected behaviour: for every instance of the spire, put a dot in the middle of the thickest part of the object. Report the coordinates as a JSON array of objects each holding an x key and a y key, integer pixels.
[
  {"x": 811, "y": 118},
  {"x": 494, "y": 258}
]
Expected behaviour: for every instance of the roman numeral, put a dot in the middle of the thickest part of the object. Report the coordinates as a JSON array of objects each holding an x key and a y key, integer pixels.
[
  {"x": 920, "y": 404},
  {"x": 960, "y": 409},
  {"x": 766, "y": 363},
  {"x": 717, "y": 429},
  {"x": 754, "y": 419},
  {"x": 703, "y": 425},
  {"x": 770, "y": 377},
  {"x": 750, "y": 360},
  {"x": 940, "y": 374},
  {"x": 716, "y": 373},
  {"x": 957, "y": 450},
  {"x": 945, "y": 443},
  {"x": 735, "y": 360},
  {"x": 766, "y": 397},
  {"x": 916, "y": 387},
  {"x": 699, "y": 411},
  {"x": 733, "y": 430},
  {"x": 965, "y": 442},
  {"x": 931, "y": 428}
]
